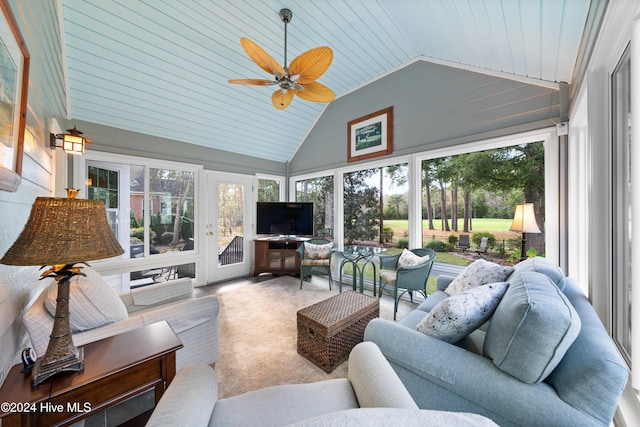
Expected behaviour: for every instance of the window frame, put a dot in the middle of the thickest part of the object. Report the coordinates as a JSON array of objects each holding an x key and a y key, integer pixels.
[
  {"x": 122, "y": 265},
  {"x": 414, "y": 163}
]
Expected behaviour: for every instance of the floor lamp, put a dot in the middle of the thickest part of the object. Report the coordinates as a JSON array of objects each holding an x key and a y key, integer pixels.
[
  {"x": 62, "y": 233},
  {"x": 524, "y": 221}
]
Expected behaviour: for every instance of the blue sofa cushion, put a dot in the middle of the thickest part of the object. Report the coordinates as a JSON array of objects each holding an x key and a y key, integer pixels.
[
  {"x": 531, "y": 329},
  {"x": 544, "y": 266},
  {"x": 478, "y": 273},
  {"x": 457, "y": 316}
]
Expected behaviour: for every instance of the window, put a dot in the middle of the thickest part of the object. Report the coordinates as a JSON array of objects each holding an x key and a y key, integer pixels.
[
  {"x": 376, "y": 206},
  {"x": 152, "y": 212},
  {"x": 622, "y": 213},
  {"x": 171, "y": 208},
  {"x": 268, "y": 190},
  {"x": 319, "y": 191},
  {"x": 475, "y": 194}
]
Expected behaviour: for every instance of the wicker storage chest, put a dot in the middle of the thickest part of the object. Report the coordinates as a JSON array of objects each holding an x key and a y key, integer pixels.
[{"x": 328, "y": 330}]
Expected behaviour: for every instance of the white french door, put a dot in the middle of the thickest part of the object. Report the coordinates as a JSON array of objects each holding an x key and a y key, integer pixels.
[{"x": 228, "y": 230}]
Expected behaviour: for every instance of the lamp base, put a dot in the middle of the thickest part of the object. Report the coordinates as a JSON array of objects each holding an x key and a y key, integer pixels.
[{"x": 41, "y": 371}]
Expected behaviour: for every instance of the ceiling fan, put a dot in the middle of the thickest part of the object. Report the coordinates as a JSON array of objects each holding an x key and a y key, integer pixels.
[{"x": 298, "y": 78}]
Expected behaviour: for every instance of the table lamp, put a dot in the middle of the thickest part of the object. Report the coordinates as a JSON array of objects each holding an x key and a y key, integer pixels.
[
  {"x": 524, "y": 221},
  {"x": 61, "y": 233}
]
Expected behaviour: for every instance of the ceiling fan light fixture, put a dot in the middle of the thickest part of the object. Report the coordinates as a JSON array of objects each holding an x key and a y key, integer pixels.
[{"x": 300, "y": 76}]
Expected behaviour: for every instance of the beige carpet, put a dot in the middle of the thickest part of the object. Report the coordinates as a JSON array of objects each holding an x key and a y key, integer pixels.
[{"x": 258, "y": 335}]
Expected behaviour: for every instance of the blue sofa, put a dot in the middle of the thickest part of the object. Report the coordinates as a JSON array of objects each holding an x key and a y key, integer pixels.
[{"x": 510, "y": 370}]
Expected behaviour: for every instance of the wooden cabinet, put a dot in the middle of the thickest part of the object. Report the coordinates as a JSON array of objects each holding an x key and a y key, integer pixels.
[
  {"x": 277, "y": 255},
  {"x": 116, "y": 369}
]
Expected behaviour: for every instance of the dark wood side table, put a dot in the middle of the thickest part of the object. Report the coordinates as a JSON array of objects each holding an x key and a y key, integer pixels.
[{"x": 116, "y": 369}]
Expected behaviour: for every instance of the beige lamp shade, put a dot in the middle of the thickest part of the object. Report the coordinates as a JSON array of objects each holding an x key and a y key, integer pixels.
[
  {"x": 73, "y": 144},
  {"x": 64, "y": 231},
  {"x": 524, "y": 219}
]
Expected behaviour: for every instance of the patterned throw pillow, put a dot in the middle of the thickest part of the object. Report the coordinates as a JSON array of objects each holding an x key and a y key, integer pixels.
[
  {"x": 313, "y": 251},
  {"x": 409, "y": 259},
  {"x": 478, "y": 273},
  {"x": 457, "y": 316}
]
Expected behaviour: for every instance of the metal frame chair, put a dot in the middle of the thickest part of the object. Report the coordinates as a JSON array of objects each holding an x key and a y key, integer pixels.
[{"x": 410, "y": 279}]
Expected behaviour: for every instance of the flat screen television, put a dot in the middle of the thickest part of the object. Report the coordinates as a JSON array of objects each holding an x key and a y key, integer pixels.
[{"x": 285, "y": 218}]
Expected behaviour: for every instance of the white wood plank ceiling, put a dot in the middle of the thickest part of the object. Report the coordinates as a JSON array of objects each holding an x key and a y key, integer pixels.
[{"x": 160, "y": 67}]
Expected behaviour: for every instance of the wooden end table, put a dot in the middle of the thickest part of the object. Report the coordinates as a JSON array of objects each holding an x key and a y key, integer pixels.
[{"x": 115, "y": 369}]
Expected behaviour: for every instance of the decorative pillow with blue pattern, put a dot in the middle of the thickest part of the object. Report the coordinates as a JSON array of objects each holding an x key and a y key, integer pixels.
[
  {"x": 478, "y": 273},
  {"x": 457, "y": 316}
]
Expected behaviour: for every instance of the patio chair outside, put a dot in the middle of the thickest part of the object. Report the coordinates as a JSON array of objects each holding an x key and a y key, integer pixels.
[
  {"x": 464, "y": 243},
  {"x": 482, "y": 249}
]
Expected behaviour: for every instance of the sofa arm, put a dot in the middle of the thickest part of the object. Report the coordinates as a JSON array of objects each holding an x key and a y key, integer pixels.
[
  {"x": 375, "y": 383},
  {"x": 157, "y": 294},
  {"x": 185, "y": 314},
  {"x": 189, "y": 400},
  {"x": 443, "y": 281}
]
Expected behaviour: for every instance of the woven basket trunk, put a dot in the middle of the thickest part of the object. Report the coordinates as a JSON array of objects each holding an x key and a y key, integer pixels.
[{"x": 328, "y": 330}]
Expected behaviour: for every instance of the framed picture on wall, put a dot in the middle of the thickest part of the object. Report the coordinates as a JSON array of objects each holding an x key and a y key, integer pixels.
[
  {"x": 14, "y": 82},
  {"x": 370, "y": 136}
]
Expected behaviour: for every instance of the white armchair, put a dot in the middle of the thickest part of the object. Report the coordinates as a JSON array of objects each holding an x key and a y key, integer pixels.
[{"x": 194, "y": 320}]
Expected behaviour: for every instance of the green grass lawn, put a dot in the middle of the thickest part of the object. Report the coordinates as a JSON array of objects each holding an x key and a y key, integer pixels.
[{"x": 479, "y": 224}]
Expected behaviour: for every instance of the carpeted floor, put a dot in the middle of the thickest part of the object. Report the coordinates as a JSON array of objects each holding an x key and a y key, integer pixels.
[{"x": 258, "y": 334}]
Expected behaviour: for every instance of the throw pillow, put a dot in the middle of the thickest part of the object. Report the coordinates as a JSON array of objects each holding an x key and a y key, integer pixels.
[
  {"x": 480, "y": 272},
  {"x": 457, "y": 316},
  {"x": 313, "y": 251},
  {"x": 92, "y": 302},
  {"x": 543, "y": 265},
  {"x": 531, "y": 329},
  {"x": 409, "y": 259}
]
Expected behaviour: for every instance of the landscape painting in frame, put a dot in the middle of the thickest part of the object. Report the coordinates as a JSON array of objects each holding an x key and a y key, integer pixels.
[
  {"x": 370, "y": 136},
  {"x": 14, "y": 69}
]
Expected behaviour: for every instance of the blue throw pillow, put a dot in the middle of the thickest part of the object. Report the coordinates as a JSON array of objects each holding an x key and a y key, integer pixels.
[
  {"x": 544, "y": 266},
  {"x": 531, "y": 329}
]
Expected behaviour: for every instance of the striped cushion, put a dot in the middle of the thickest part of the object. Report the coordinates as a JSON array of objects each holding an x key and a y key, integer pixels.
[
  {"x": 316, "y": 262},
  {"x": 92, "y": 302}
]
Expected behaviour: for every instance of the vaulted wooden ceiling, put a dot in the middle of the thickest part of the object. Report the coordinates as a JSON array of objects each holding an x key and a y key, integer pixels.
[{"x": 161, "y": 67}]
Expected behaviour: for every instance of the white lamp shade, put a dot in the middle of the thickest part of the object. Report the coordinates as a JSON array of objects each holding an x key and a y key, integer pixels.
[{"x": 524, "y": 220}]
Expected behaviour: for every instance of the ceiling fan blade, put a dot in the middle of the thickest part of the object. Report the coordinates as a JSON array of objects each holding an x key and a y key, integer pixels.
[
  {"x": 311, "y": 64},
  {"x": 254, "y": 82},
  {"x": 316, "y": 92},
  {"x": 281, "y": 100},
  {"x": 262, "y": 58}
]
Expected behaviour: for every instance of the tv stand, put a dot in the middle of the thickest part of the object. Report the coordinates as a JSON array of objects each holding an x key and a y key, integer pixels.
[{"x": 277, "y": 255}]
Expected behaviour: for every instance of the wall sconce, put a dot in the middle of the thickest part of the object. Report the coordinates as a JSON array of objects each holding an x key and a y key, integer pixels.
[
  {"x": 524, "y": 221},
  {"x": 72, "y": 142}
]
